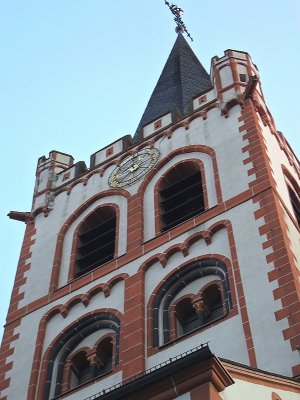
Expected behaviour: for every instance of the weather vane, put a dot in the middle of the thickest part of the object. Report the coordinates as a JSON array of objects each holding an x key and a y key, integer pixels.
[{"x": 177, "y": 11}]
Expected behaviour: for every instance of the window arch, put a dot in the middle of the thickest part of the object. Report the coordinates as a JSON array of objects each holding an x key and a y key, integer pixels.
[
  {"x": 80, "y": 369},
  {"x": 69, "y": 365},
  {"x": 195, "y": 311},
  {"x": 186, "y": 317},
  {"x": 211, "y": 294},
  {"x": 97, "y": 240},
  {"x": 86, "y": 365},
  {"x": 181, "y": 194}
]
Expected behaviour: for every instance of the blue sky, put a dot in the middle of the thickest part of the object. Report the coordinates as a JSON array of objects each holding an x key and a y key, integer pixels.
[{"x": 76, "y": 75}]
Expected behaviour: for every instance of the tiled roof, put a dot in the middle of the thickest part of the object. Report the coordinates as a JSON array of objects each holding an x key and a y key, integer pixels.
[{"x": 182, "y": 78}]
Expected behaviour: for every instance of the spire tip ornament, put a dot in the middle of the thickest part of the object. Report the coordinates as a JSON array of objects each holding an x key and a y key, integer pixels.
[{"x": 177, "y": 12}]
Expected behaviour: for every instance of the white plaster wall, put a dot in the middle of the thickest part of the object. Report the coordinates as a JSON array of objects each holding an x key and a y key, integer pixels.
[
  {"x": 38, "y": 276},
  {"x": 226, "y": 76},
  {"x": 94, "y": 388},
  {"x": 233, "y": 173},
  {"x": 210, "y": 96},
  {"x": 100, "y": 156},
  {"x": 238, "y": 54},
  {"x": 165, "y": 121},
  {"x": 63, "y": 158},
  {"x": 229, "y": 95},
  {"x": 225, "y": 340},
  {"x": 60, "y": 177},
  {"x": 99, "y": 301},
  {"x": 259, "y": 293},
  {"x": 22, "y": 357},
  {"x": 39, "y": 201},
  {"x": 42, "y": 180},
  {"x": 249, "y": 391}
]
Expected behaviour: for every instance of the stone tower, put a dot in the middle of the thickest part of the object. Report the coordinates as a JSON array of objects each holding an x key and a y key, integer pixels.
[{"x": 169, "y": 268}]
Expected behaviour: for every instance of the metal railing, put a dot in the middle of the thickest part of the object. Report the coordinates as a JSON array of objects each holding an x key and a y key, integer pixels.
[{"x": 146, "y": 372}]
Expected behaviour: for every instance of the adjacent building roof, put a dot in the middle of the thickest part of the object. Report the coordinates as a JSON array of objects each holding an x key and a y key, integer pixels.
[{"x": 182, "y": 78}]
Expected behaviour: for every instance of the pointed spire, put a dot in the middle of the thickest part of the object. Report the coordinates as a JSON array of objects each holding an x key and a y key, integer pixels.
[{"x": 182, "y": 78}]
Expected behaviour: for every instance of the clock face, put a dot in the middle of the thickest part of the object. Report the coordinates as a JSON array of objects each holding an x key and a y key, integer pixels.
[{"x": 133, "y": 168}]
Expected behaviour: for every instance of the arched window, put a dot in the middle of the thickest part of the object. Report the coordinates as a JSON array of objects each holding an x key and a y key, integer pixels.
[
  {"x": 186, "y": 317},
  {"x": 192, "y": 313},
  {"x": 80, "y": 369},
  {"x": 69, "y": 364},
  {"x": 97, "y": 237},
  {"x": 295, "y": 203},
  {"x": 180, "y": 195},
  {"x": 104, "y": 355},
  {"x": 88, "y": 366},
  {"x": 213, "y": 302},
  {"x": 194, "y": 296}
]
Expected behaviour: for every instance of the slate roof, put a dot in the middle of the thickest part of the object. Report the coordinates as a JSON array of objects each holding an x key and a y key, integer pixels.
[{"x": 182, "y": 78}]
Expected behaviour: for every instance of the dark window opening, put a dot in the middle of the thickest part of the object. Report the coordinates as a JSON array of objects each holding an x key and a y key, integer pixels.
[
  {"x": 191, "y": 315},
  {"x": 243, "y": 77},
  {"x": 97, "y": 240},
  {"x": 85, "y": 367},
  {"x": 295, "y": 204},
  {"x": 104, "y": 355},
  {"x": 187, "y": 318},
  {"x": 81, "y": 371},
  {"x": 213, "y": 301},
  {"x": 181, "y": 195}
]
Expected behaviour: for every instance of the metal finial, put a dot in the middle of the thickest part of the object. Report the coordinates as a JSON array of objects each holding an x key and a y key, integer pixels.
[{"x": 177, "y": 11}]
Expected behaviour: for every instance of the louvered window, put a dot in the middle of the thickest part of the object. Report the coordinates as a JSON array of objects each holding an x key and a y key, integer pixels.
[
  {"x": 97, "y": 240},
  {"x": 181, "y": 195}
]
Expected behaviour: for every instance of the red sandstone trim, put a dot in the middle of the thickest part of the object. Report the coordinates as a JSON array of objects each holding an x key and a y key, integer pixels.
[
  {"x": 135, "y": 253},
  {"x": 133, "y": 329},
  {"x": 274, "y": 226},
  {"x": 10, "y": 335}
]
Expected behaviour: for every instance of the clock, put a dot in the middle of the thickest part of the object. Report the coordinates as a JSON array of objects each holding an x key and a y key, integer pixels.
[{"x": 133, "y": 168}]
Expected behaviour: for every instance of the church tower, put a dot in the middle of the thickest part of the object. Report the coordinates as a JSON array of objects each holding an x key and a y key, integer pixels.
[{"x": 169, "y": 267}]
